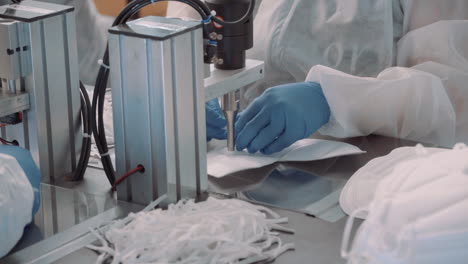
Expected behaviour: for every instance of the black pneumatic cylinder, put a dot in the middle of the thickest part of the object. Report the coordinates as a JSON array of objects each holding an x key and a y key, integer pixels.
[{"x": 233, "y": 40}]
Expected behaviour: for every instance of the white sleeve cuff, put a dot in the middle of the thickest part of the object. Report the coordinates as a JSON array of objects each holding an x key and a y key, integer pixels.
[{"x": 400, "y": 102}]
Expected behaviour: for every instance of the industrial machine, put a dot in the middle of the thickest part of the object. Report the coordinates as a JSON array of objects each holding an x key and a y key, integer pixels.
[
  {"x": 234, "y": 40},
  {"x": 158, "y": 68},
  {"x": 162, "y": 71},
  {"x": 158, "y": 101},
  {"x": 39, "y": 88}
]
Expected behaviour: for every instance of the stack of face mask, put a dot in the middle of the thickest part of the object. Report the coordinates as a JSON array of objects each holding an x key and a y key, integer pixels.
[
  {"x": 214, "y": 231},
  {"x": 419, "y": 213},
  {"x": 16, "y": 202},
  {"x": 360, "y": 189}
]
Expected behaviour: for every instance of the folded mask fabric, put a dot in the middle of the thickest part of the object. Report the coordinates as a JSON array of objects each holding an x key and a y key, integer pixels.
[
  {"x": 299, "y": 191},
  {"x": 221, "y": 162}
]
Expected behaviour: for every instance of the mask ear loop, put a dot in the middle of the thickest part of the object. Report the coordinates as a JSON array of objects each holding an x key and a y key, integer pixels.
[
  {"x": 402, "y": 248},
  {"x": 345, "y": 250},
  {"x": 420, "y": 150},
  {"x": 459, "y": 146}
]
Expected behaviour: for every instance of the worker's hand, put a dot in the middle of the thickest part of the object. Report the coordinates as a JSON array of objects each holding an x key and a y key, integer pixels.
[
  {"x": 26, "y": 162},
  {"x": 281, "y": 116},
  {"x": 215, "y": 121}
]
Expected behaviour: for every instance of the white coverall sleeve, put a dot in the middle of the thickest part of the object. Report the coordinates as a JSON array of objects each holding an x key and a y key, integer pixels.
[
  {"x": 399, "y": 102},
  {"x": 425, "y": 103},
  {"x": 16, "y": 202}
]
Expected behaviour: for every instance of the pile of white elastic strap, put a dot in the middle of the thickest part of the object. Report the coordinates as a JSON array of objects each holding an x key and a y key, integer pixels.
[{"x": 214, "y": 231}]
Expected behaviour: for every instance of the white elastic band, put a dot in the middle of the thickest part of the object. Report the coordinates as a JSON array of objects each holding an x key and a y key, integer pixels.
[
  {"x": 100, "y": 62},
  {"x": 105, "y": 154},
  {"x": 213, "y": 12},
  {"x": 85, "y": 135},
  {"x": 213, "y": 239},
  {"x": 155, "y": 203},
  {"x": 459, "y": 146}
]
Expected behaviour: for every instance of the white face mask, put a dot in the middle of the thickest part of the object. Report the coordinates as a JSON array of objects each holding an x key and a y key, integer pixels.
[
  {"x": 441, "y": 248},
  {"x": 451, "y": 217},
  {"x": 418, "y": 211},
  {"x": 426, "y": 168},
  {"x": 361, "y": 188},
  {"x": 16, "y": 202}
]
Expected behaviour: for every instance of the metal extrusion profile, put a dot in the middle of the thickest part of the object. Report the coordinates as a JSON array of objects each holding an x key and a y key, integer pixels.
[
  {"x": 157, "y": 75},
  {"x": 47, "y": 70},
  {"x": 13, "y": 103}
]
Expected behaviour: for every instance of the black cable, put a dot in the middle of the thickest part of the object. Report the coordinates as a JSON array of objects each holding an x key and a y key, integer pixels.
[
  {"x": 6, "y": 142},
  {"x": 241, "y": 20},
  {"x": 97, "y": 119},
  {"x": 85, "y": 110},
  {"x": 86, "y": 143},
  {"x": 97, "y": 109}
]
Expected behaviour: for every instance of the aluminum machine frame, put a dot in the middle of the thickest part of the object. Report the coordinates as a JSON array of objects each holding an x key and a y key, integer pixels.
[
  {"x": 39, "y": 94},
  {"x": 159, "y": 92}
]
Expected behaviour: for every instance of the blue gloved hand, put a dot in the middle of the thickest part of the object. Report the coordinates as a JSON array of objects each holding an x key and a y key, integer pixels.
[
  {"x": 215, "y": 121},
  {"x": 281, "y": 116},
  {"x": 26, "y": 162}
]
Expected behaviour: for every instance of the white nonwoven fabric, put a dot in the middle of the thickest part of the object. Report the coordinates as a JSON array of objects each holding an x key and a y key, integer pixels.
[
  {"x": 360, "y": 189},
  {"x": 418, "y": 213},
  {"x": 221, "y": 162}
]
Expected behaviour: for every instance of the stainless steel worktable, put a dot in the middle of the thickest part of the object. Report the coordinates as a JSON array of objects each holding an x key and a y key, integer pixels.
[{"x": 71, "y": 208}]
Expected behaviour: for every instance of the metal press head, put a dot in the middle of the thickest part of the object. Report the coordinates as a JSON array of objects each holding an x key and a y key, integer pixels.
[{"x": 229, "y": 106}]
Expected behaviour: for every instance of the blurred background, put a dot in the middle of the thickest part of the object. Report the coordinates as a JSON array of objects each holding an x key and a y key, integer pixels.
[{"x": 112, "y": 7}]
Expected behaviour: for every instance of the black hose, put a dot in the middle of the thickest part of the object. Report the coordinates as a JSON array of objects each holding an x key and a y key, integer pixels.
[
  {"x": 78, "y": 175},
  {"x": 97, "y": 119}
]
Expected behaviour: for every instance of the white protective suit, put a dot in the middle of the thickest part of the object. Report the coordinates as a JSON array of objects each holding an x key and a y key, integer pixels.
[
  {"x": 356, "y": 43},
  {"x": 16, "y": 202},
  {"x": 351, "y": 47}
]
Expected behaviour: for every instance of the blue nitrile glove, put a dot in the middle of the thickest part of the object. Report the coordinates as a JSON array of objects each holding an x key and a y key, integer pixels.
[
  {"x": 281, "y": 116},
  {"x": 215, "y": 121},
  {"x": 26, "y": 162}
]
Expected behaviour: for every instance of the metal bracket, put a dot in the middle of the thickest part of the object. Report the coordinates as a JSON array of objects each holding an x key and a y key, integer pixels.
[
  {"x": 11, "y": 103},
  {"x": 222, "y": 82}
]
